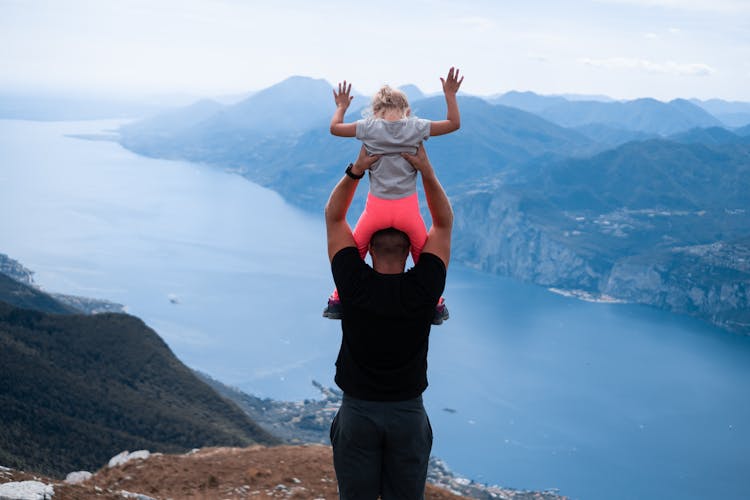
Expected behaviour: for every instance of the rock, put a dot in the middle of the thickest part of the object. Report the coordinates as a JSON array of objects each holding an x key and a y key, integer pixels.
[
  {"x": 137, "y": 496},
  {"x": 26, "y": 490},
  {"x": 77, "y": 477},
  {"x": 118, "y": 459},
  {"x": 125, "y": 456},
  {"x": 140, "y": 454}
]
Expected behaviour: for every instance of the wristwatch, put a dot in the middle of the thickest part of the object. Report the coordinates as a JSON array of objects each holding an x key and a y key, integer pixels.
[{"x": 352, "y": 174}]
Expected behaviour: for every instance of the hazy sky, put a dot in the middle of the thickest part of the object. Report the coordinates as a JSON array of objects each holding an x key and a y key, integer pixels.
[{"x": 622, "y": 48}]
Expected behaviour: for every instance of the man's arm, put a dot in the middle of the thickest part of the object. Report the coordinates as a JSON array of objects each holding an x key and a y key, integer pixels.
[
  {"x": 337, "y": 229},
  {"x": 452, "y": 121},
  {"x": 439, "y": 236},
  {"x": 343, "y": 99}
]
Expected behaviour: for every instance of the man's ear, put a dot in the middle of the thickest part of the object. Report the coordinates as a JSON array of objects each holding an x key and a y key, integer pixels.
[{"x": 408, "y": 111}]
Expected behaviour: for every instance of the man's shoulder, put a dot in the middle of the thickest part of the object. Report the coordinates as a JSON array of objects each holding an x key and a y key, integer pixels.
[
  {"x": 346, "y": 256},
  {"x": 430, "y": 262},
  {"x": 424, "y": 283},
  {"x": 429, "y": 272}
]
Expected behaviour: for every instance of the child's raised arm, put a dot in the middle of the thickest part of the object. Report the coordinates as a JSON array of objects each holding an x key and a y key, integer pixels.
[
  {"x": 452, "y": 121},
  {"x": 342, "y": 98}
]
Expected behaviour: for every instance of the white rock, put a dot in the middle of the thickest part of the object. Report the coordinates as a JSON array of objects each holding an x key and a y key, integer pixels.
[
  {"x": 125, "y": 456},
  {"x": 137, "y": 496},
  {"x": 26, "y": 490},
  {"x": 140, "y": 454},
  {"x": 77, "y": 477},
  {"x": 118, "y": 459}
]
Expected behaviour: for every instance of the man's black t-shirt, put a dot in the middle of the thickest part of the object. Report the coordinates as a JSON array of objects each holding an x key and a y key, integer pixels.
[{"x": 386, "y": 326}]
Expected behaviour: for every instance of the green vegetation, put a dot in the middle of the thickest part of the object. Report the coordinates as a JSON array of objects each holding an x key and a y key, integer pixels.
[{"x": 76, "y": 390}]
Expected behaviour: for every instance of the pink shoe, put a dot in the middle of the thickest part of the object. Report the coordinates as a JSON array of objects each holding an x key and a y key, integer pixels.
[
  {"x": 441, "y": 313},
  {"x": 333, "y": 310}
]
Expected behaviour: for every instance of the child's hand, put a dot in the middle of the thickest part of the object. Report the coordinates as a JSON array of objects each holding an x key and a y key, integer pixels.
[
  {"x": 343, "y": 98},
  {"x": 451, "y": 83}
]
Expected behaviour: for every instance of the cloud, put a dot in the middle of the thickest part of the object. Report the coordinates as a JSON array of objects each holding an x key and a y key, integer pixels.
[
  {"x": 634, "y": 64},
  {"x": 481, "y": 24},
  {"x": 733, "y": 6},
  {"x": 538, "y": 58}
]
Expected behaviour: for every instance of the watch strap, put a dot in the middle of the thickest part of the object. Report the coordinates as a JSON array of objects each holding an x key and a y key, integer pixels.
[{"x": 352, "y": 174}]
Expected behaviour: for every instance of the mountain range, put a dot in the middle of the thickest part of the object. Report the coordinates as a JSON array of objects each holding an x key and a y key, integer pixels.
[
  {"x": 731, "y": 113},
  {"x": 638, "y": 199}
]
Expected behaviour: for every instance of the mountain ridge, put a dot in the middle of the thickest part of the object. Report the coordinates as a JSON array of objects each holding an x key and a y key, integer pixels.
[
  {"x": 551, "y": 171},
  {"x": 637, "y": 115}
]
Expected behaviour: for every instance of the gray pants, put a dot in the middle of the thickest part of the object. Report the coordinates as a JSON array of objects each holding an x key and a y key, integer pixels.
[{"x": 381, "y": 449}]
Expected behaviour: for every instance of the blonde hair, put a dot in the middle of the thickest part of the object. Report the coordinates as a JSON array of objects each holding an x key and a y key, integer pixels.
[{"x": 388, "y": 98}]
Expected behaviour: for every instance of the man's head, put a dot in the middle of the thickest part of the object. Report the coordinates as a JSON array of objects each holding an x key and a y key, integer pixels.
[{"x": 389, "y": 249}]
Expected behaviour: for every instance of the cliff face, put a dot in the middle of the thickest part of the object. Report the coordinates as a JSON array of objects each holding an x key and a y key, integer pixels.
[
  {"x": 495, "y": 236},
  {"x": 709, "y": 281}
]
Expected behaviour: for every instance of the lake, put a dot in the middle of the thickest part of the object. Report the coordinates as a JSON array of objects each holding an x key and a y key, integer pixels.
[{"x": 528, "y": 389}]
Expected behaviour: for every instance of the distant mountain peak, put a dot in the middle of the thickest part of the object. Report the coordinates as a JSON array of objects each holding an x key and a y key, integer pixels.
[
  {"x": 413, "y": 93},
  {"x": 299, "y": 80},
  {"x": 527, "y": 93},
  {"x": 292, "y": 105}
]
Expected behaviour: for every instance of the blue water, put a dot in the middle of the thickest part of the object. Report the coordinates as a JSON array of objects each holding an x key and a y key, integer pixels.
[{"x": 597, "y": 400}]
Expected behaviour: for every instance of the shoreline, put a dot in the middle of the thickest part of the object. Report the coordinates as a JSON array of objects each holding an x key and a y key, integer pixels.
[{"x": 587, "y": 296}]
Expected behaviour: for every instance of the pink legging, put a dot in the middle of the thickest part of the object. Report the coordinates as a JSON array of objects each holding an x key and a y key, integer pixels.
[{"x": 402, "y": 214}]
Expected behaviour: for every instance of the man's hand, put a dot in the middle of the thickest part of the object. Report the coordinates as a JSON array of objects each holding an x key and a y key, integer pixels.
[
  {"x": 419, "y": 161},
  {"x": 363, "y": 161},
  {"x": 451, "y": 84},
  {"x": 338, "y": 231},
  {"x": 439, "y": 236},
  {"x": 342, "y": 98}
]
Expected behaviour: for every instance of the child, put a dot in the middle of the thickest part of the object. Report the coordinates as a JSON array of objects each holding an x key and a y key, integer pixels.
[{"x": 392, "y": 200}]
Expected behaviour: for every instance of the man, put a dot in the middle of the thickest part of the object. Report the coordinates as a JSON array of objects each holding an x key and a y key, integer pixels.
[{"x": 381, "y": 435}]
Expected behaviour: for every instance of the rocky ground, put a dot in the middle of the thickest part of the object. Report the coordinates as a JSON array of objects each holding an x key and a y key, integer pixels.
[{"x": 304, "y": 472}]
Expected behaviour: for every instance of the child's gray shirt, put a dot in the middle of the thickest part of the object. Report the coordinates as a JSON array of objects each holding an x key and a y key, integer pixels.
[{"x": 392, "y": 177}]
